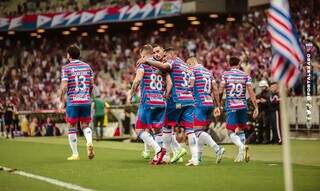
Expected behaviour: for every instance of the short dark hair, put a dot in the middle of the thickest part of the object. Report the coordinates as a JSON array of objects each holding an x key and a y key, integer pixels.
[
  {"x": 234, "y": 61},
  {"x": 73, "y": 51},
  {"x": 169, "y": 49},
  {"x": 146, "y": 47}
]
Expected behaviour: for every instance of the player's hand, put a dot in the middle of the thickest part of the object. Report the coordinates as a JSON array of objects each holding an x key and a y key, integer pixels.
[
  {"x": 166, "y": 95},
  {"x": 141, "y": 61},
  {"x": 216, "y": 112},
  {"x": 61, "y": 107},
  {"x": 255, "y": 113}
]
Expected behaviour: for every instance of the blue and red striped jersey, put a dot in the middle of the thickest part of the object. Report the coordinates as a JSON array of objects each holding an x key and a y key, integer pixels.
[
  {"x": 152, "y": 86},
  {"x": 235, "y": 82},
  {"x": 180, "y": 75},
  {"x": 79, "y": 76},
  {"x": 202, "y": 86}
]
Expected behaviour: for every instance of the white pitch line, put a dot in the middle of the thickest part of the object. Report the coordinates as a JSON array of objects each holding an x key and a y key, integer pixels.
[{"x": 47, "y": 179}]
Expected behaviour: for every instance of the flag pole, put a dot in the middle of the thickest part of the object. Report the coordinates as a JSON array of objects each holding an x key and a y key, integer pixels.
[{"x": 286, "y": 151}]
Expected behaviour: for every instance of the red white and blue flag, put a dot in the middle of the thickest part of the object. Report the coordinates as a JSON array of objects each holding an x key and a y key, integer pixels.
[{"x": 286, "y": 49}]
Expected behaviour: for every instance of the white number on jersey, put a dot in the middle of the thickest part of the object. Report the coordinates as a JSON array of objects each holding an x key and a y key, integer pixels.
[
  {"x": 236, "y": 90},
  {"x": 207, "y": 85},
  {"x": 156, "y": 82},
  {"x": 186, "y": 79},
  {"x": 80, "y": 83}
]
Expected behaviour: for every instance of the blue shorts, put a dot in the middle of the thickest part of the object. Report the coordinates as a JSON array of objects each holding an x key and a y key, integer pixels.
[
  {"x": 202, "y": 116},
  {"x": 183, "y": 116},
  {"x": 75, "y": 113},
  {"x": 150, "y": 117},
  {"x": 237, "y": 118}
]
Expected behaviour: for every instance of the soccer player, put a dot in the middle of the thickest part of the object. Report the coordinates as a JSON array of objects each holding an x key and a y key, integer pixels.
[
  {"x": 237, "y": 83},
  {"x": 77, "y": 83},
  {"x": 152, "y": 106},
  {"x": 180, "y": 105},
  {"x": 204, "y": 90}
]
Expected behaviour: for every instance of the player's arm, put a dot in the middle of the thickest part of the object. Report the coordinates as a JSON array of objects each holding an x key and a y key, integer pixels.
[
  {"x": 215, "y": 93},
  {"x": 253, "y": 100},
  {"x": 160, "y": 65},
  {"x": 63, "y": 91},
  {"x": 63, "y": 88},
  {"x": 169, "y": 85},
  {"x": 216, "y": 96},
  {"x": 221, "y": 90},
  {"x": 135, "y": 84}
]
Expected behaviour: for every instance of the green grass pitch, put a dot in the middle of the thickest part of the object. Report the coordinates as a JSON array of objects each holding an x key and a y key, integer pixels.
[{"x": 119, "y": 166}]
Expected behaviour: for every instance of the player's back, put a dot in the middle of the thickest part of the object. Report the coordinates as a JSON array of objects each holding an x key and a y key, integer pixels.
[
  {"x": 152, "y": 86},
  {"x": 180, "y": 75},
  {"x": 202, "y": 86},
  {"x": 235, "y": 82},
  {"x": 80, "y": 82}
]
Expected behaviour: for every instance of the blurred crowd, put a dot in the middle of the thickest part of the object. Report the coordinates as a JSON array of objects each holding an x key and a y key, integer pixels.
[
  {"x": 28, "y": 7},
  {"x": 30, "y": 75}
]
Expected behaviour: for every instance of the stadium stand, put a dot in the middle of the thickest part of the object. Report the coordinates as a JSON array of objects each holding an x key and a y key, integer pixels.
[{"x": 30, "y": 74}]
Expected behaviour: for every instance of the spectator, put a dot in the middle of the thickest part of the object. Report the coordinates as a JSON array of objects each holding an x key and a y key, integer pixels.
[
  {"x": 275, "y": 114},
  {"x": 49, "y": 127},
  {"x": 35, "y": 128},
  {"x": 25, "y": 128},
  {"x": 263, "y": 100}
]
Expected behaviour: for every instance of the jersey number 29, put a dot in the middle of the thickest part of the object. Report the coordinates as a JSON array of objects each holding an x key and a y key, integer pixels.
[{"x": 236, "y": 90}]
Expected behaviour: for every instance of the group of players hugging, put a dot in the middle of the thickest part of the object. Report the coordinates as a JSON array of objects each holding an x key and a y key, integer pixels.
[{"x": 173, "y": 93}]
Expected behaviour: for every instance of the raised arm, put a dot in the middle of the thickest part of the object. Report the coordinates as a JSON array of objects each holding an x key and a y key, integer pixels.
[{"x": 160, "y": 65}]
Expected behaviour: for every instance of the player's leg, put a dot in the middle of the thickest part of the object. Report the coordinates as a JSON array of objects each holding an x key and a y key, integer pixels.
[
  {"x": 158, "y": 138},
  {"x": 146, "y": 151},
  {"x": 242, "y": 117},
  {"x": 143, "y": 122},
  {"x": 85, "y": 118},
  {"x": 101, "y": 120},
  {"x": 187, "y": 119},
  {"x": 202, "y": 118},
  {"x": 156, "y": 119},
  {"x": 231, "y": 126},
  {"x": 177, "y": 149},
  {"x": 172, "y": 117},
  {"x": 72, "y": 120}
]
